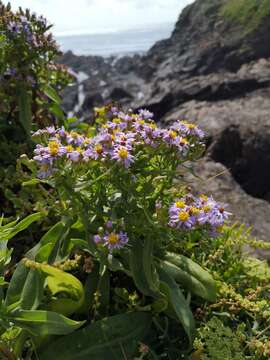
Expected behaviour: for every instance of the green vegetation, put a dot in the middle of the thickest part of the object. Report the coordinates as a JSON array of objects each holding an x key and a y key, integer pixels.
[
  {"x": 249, "y": 13},
  {"x": 104, "y": 252}
]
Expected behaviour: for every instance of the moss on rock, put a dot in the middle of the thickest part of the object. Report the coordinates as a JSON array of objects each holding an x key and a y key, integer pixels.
[{"x": 249, "y": 13}]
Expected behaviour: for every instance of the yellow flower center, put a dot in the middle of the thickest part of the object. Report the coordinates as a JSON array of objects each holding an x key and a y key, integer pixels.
[
  {"x": 183, "y": 141},
  {"x": 116, "y": 121},
  {"x": 206, "y": 208},
  {"x": 191, "y": 126},
  {"x": 74, "y": 134},
  {"x": 113, "y": 239},
  {"x": 180, "y": 204},
  {"x": 53, "y": 148},
  {"x": 194, "y": 211},
  {"x": 172, "y": 134},
  {"x": 123, "y": 153},
  {"x": 183, "y": 216},
  {"x": 69, "y": 148},
  {"x": 99, "y": 148},
  {"x": 203, "y": 197}
]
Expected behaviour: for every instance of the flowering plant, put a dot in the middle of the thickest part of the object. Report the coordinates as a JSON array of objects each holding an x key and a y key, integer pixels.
[
  {"x": 29, "y": 78},
  {"x": 29, "y": 86},
  {"x": 124, "y": 203}
]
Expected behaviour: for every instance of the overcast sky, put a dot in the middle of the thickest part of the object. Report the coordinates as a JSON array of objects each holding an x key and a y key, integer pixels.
[{"x": 95, "y": 16}]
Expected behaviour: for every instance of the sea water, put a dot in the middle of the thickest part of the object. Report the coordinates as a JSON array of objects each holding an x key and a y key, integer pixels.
[{"x": 115, "y": 43}]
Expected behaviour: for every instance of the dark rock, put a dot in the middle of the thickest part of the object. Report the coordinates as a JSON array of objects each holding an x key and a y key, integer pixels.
[
  {"x": 213, "y": 70},
  {"x": 91, "y": 101},
  {"x": 118, "y": 94}
]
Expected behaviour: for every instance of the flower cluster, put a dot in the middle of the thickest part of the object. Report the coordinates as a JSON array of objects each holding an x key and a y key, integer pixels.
[
  {"x": 192, "y": 212},
  {"x": 119, "y": 140},
  {"x": 111, "y": 238},
  {"x": 22, "y": 27}
]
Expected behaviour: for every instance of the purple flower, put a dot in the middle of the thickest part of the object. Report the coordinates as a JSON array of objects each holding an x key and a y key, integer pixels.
[
  {"x": 171, "y": 137},
  {"x": 11, "y": 72},
  {"x": 122, "y": 155},
  {"x": 182, "y": 219},
  {"x": 188, "y": 129},
  {"x": 115, "y": 240},
  {"x": 145, "y": 114},
  {"x": 74, "y": 155},
  {"x": 14, "y": 27},
  {"x": 45, "y": 171},
  {"x": 95, "y": 152},
  {"x": 97, "y": 239},
  {"x": 109, "y": 224},
  {"x": 190, "y": 212}
]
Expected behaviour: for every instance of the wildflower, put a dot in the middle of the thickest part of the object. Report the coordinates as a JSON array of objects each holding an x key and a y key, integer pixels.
[
  {"x": 109, "y": 224},
  {"x": 182, "y": 219},
  {"x": 115, "y": 240},
  {"x": 170, "y": 137},
  {"x": 145, "y": 114},
  {"x": 97, "y": 239},
  {"x": 14, "y": 27},
  {"x": 122, "y": 155},
  {"x": 188, "y": 129},
  {"x": 45, "y": 171},
  {"x": 54, "y": 147},
  {"x": 74, "y": 155},
  {"x": 191, "y": 212},
  {"x": 95, "y": 152}
]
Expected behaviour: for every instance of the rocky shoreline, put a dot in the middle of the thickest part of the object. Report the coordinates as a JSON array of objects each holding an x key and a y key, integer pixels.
[{"x": 211, "y": 71}]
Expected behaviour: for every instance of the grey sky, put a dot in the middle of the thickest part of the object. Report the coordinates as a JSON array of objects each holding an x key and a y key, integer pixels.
[{"x": 95, "y": 16}]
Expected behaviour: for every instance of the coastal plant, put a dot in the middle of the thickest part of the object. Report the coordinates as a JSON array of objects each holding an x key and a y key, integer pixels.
[
  {"x": 241, "y": 310},
  {"x": 30, "y": 82},
  {"x": 124, "y": 203}
]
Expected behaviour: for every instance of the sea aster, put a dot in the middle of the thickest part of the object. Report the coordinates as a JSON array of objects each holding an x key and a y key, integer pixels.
[{"x": 115, "y": 240}]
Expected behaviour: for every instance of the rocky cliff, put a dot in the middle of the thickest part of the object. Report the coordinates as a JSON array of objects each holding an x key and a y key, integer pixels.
[{"x": 213, "y": 70}]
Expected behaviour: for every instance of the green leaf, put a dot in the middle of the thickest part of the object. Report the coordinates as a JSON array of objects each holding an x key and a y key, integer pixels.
[
  {"x": 57, "y": 111},
  {"x": 142, "y": 268},
  {"x": 104, "y": 292},
  {"x": 16, "y": 284},
  {"x": 90, "y": 288},
  {"x": 178, "y": 303},
  {"x": 32, "y": 291},
  {"x": 191, "y": 275},
  {"x": 31, "y": 182},
  {"x": 42, "y": 323},
  {"x": 25, "y": 111},
  {"x": 8, "y": 232},
  {"x": 113, "y": 338},
  {"x": 62, "y": 284},
  {"x": 52, "y": 94},
  {"x": 2, "y": 281},
  {"x": 55, "y": 237}
]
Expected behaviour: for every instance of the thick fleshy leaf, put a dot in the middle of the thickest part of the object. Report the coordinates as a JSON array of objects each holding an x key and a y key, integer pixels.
[
  {"x": 90, "y": 288},
  {"x": 54, "y": 239},
  {"x": 16, "y": 284},
  {"x": 42, "y": 323},
  {"x": 62, "y": 284},
  {"x": 178, "y": 303},
  {"x": 191, "y": 276},
  {"x": 116, "y": 337},
  {"x": 143, "y": 269},
  {"x": 32, "y": 291}
]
